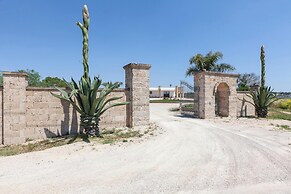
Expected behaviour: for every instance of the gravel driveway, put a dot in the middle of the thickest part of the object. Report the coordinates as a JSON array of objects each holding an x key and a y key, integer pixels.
[{"x": 190, "y": 156}]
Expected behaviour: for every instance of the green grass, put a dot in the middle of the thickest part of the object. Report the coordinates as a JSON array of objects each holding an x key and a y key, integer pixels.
[
  {"x": 164, "y": 101},
  {"x": 275, "y": 113},
  {"x": 285, "y": 127},
  {"x": 188, "y": 105}
]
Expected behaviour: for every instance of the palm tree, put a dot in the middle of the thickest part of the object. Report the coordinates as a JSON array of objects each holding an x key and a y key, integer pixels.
[{"x": 208, "y": 63}]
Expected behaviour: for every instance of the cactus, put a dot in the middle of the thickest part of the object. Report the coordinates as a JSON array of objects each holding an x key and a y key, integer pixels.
[
  {"x": 85, "y": 28},
  {"x": 85, "y": 96},
  {"x": 262, "y": 66}
]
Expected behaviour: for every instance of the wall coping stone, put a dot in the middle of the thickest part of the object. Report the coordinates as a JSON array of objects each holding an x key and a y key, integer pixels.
[
  {"x": 137, "y": 66},
  {"x": 14, "y": 74},
  {"x": 216, "y": 74},
  {"x": 30, "y": 88}
]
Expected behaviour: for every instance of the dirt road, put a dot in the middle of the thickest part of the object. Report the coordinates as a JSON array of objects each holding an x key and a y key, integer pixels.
[{"x": 190, "y": 156}]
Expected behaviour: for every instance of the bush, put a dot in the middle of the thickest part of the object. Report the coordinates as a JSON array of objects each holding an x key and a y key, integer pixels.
[{"x": 285, "y": 104}]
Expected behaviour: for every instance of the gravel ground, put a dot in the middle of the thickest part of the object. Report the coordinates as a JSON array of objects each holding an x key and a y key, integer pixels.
[{"x": 187, "y": 156}]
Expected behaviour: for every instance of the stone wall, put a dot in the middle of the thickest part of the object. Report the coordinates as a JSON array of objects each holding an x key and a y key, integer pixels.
[
  {"x": 33, "y": 113},
  {"x": 137, "y": 84},
  {"x": 215, "y": 95},
  {"x": 1, "y": 110},
  {"x": 14, "y": 110},
  {"x": 47, "y": 116},
  {"x": 206, "y": 84},
  {"x": 244, "y": 109}
]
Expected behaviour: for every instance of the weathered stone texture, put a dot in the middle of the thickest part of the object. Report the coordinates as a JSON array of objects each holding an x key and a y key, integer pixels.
[
  {"x": 207, "y": 94},
  {"x": 1, "y": 111},
  {"x": 49, "y": 116},
  {"x": 215, "y": 95},
  {"x": 14, "y": 110},
  {"x": 116, "y": 116},
  {"x": 137, "y": 85},
  {"x": 244, "y": 108}
]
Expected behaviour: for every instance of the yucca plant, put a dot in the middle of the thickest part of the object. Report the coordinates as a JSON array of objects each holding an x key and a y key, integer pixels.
[{"x": 86, "y": 96}]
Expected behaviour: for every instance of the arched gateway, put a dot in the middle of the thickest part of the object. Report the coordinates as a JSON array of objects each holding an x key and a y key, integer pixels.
[
  {"x": 215, "y": 94},
  {"x": 222, "y": 100}
]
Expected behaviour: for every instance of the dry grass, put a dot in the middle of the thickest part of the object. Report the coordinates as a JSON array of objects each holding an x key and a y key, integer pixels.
[
  {"x": 276, "y": 113},
  {"x": 108, "y": 136},
  {"x": 36, "y": 145}
]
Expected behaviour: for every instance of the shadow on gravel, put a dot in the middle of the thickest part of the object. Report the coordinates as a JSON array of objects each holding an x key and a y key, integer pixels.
[{"x": 186, "y": 115}]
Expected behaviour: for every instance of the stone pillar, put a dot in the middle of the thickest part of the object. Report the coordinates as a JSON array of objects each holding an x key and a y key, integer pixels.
[
  {"x": 14, "y": 107},
  {"x": 137, "y": 86},
  {"x": 199, "y": 94},
  {"x": 176, "y": 92}
]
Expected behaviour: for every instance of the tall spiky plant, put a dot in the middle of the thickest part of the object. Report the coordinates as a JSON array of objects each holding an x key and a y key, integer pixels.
[
  {"x": 263, "y": 97},
  {"x": 85, "y": 28},
  {"x": 263, "y": 71},
  {"x": 84, "y": 95}
]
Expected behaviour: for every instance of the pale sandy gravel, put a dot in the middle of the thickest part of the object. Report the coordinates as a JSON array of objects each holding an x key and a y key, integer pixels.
[{"x": 190, "y": 156}]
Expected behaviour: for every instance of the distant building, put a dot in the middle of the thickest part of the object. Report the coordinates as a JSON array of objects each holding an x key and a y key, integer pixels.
[{"x": 164, "y": 92}]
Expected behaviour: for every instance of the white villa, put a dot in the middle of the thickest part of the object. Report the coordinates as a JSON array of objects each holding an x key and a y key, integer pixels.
[{"x": 164, "y": 92}]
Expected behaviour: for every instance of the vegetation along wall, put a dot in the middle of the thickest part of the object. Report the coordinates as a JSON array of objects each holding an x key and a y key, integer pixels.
[{"x": 34, "y": 113}]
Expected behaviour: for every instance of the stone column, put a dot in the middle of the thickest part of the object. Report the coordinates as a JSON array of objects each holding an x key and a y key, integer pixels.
[
  {"x": 14, "y": 107},
  {"x": 199, "y": 94},
  {"x": 137, "y": 86}
]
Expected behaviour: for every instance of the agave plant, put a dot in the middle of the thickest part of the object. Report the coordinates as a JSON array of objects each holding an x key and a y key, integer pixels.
[
  {"x": 262, "y": 99},
  {"x": 90, "y": 101},
  {"x": 86, "y": 96},
  {"x": 264, "y": 96}
]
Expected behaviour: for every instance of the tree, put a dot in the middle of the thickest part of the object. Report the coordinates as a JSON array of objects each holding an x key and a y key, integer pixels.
[
  {"x": 208, "y": 63},
  {"x": 33, "y": 77},
  {"x": 85, "y": 96},
  {"x": 53, "y": 81},
  {"x": 246, "y": 80}
]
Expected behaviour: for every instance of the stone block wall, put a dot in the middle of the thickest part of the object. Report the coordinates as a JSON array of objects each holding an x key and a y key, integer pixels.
[
  {"x": 137, "y": 85},
  {"x": 14, "y": 110},
  {"x": 1, "y": 137},
  {"x": 206, "y": 84},
  {"x": 33, "y": 113},
  {"x": 244, "y": 109},
  {"x": 47, "y": 116}
]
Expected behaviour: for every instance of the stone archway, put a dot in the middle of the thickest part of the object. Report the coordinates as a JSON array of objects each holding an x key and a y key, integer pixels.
[
  {"x": 213, "y": 87},
  {"x": 222, "y": 100}
]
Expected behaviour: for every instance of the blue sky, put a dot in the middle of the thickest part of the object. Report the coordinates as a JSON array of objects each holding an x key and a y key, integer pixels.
[{"x": 42, "y": 35}]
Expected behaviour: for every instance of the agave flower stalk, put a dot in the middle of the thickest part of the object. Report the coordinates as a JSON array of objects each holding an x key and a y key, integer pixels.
[
  {"x": 86, "y": 96},
  {"x": 263, "y": 71},
  {"x": 85, "y": 28}
]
